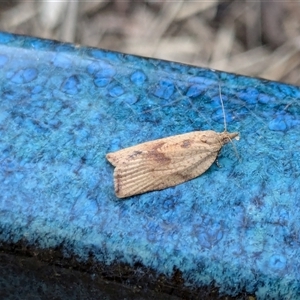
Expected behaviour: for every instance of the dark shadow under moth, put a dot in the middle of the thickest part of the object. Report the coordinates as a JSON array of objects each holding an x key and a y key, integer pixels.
[{"x": 166, "y": 162}]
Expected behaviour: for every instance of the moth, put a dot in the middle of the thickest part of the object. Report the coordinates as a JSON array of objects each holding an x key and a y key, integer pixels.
[{"x": 166, "y": 162}]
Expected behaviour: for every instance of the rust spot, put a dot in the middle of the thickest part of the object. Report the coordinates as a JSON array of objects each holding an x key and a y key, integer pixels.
[
  {"x": 186, "y": 144},
  {"x": 135, "y": 153},
  {"x": 159, "y": 156}
]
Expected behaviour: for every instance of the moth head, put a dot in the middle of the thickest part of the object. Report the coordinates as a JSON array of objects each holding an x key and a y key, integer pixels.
[{"x": 226, "y": 137}]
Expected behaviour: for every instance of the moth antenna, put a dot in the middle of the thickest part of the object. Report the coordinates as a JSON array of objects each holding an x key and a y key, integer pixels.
[
  {"x": 225, "y": 125},
  {"x": 223, "y": 110},
  {"x": 235, "y": 150}
]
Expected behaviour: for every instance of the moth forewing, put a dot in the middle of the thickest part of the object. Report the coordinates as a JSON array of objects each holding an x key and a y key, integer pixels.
[{"x": 166, "y": 162}]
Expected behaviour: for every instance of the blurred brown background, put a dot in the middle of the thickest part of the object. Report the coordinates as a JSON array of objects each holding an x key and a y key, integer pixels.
[{"x": 251, "y": 37}]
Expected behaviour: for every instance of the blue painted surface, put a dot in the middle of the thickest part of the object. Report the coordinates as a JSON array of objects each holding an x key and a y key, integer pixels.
[{"x": 63, "y": 108}]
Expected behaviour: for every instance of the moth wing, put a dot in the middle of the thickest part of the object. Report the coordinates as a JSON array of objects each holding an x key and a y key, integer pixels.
[
  {"x": 160, "y": 164},
  {"x": 183, "y": 144}
]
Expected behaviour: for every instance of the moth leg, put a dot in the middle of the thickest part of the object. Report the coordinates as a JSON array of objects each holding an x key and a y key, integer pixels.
[{"x": 217, "y": 163}]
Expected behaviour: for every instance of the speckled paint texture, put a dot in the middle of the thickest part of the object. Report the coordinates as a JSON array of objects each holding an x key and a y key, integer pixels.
[{"x": 64, "y": 107}]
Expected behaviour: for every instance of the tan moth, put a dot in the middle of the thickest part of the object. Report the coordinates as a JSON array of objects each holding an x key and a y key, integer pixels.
[{"x": 166, "y": 162}]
